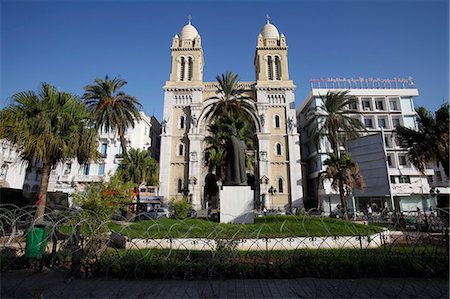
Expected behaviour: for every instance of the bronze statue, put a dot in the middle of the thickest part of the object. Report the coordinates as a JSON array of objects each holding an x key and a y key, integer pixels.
[{"x": 236, "y": 175}]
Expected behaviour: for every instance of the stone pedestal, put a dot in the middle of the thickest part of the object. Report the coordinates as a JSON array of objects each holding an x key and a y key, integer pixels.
[{"x": 236, "y": 205}]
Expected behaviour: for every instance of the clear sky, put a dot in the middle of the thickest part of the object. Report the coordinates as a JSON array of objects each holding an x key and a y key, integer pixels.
[{"x": 69, "y": 43}]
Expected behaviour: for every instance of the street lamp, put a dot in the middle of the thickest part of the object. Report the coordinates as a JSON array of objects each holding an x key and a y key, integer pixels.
[{"x": 272, "y": 191}]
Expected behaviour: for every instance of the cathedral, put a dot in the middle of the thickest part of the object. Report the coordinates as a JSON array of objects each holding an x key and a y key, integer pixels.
[{"x": 277, "y": 173}]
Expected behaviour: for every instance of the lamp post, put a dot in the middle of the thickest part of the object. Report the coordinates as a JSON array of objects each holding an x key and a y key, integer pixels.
[{"x": 272, "y": 191}]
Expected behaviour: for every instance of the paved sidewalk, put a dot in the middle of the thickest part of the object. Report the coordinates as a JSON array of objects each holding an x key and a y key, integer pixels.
[{"x": 51, "y": 284}]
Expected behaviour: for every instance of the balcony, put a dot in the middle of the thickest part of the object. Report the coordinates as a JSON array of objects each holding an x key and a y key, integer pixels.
[
  {"x": 64, "y": 178},
  {"x": 87, "y": 179}
]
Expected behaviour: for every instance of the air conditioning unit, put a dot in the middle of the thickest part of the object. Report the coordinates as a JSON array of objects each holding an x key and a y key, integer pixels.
[{"x": 366, "y": 108}]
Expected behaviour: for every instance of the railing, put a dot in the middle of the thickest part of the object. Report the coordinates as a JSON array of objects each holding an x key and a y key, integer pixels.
[
  {"x": 241, "y": 85},
  {"x": 85, "y": 244}
]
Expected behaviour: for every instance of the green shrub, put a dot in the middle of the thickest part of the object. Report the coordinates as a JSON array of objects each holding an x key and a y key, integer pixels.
[{"x": 180, "y": 208}]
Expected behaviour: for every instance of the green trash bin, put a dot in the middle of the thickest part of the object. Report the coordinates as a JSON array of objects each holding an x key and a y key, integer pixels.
[{"x": 37, "y": 237}]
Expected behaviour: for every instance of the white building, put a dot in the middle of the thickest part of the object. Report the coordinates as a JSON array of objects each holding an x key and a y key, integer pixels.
[
  {"x": 382, "y": 106},
  {"x": 70, "y": 176},
  {"x": 12, "y": 169}
]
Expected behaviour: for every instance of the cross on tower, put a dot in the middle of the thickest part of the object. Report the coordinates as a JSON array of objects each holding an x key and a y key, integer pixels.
[
  {"x": 189, "y": 19},
  {"x": 267, "y": 19}
]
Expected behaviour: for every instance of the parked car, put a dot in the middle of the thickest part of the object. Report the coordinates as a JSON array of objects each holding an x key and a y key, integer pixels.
[{"x": 154, "y": 214}]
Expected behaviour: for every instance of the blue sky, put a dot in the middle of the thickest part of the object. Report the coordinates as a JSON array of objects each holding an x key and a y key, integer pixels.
[{"x": 69, "y": 43}]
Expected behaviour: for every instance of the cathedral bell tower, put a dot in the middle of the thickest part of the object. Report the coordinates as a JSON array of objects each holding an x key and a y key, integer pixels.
[
  {"x": 271, "y": 55},
  {"x": 187, "y": 56},
  {"x": 180, "y": 142}
]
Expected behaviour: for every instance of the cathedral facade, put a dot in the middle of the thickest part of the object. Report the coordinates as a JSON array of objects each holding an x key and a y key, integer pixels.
[{"x": 277, "y": 173}]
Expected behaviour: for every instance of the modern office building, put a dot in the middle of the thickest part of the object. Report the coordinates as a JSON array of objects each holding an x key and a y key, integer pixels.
[{"x": 382, "y": 106}]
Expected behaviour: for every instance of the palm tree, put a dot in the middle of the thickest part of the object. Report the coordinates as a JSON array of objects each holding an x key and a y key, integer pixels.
[
  {"x": 230, "y": 99},
  {"x": 344, "y": 175},
  {"x": 113, "y": 109},
  {"x": 431, "y": 141},
  {"x": 48, "y": 127},
  {"x": 139, "y": 168},
  {"x": 219, "y": 134},
  {"x": 334, "y": 121}
]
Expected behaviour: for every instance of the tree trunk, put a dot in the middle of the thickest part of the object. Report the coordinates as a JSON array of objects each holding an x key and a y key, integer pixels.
[
  {"x": 123, "y": 142},
  {"x": 42, "y": 197},
  {"x": 343, "y": 199}
]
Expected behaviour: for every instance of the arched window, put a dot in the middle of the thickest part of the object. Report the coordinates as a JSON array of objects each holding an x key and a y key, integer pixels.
[
  {"x": 280, "y": 185},
  {"x": 3, "y": 170},
  {"x": 26, "y": 188},
  {"x": 35, "y": 188},
  {"x": 277, "y": 68},
  {"x": 277, "y": 121},
  {"x": 38, "y": 173},
  {"x": 182, "y": 122},
  {"x": 180, "y": 150},
  {"x": 190, "y": 64},
  {"x": 278, "y": 149},
  {"x": 179, "y": 185},
  {"x": 270, "y": 67},
  {"x": 182, "y": 62},
  {"x": 27, "y": 173}
]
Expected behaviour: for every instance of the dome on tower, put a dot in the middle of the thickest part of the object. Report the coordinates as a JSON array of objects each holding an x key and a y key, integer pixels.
[
  {"x": 188, "y": 32},
  {"x": 269, "y": 31}
]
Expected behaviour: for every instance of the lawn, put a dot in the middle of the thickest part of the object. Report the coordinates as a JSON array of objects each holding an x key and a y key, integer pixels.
[{"x": 264, "y": 227}]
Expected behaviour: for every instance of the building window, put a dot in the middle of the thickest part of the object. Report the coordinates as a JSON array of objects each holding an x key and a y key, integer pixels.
[
  {"x": 277, "y": 121},
  {"x": 27, "y": 173},
  {"x": 86, "y": 169},
  {"x": 26, "y": 188},
  {"x": 68, "y": 168},
  {"x": 104, "y": 149},
  {"x": 38, "y": 173},
  {"x": 430, "y": 179},
  {"x": 181, "y": 68},
  {"x": 366, "y": 105},
  {"x": 393, "y": 179},
  {"x": 3, "y": 171},
  {"x": 393, "y": 104},
  {"x": 278, "y": 149},
  {"x": 382, "y": 123},
  {"x": 404, "y": 179},
  {"x": 35, "y": 188},
  {"x": 438, "y": 176},
  {"x": 387, "y": 141},
  {"x": 180, "y": 150},
  {"x": 182, "y": 123},
  {"x": 389, "y": 159},
  {"x": 280, "y": 185},
  {"x": 180, "y": 185},
  {"x": 353, "y": 105},
  {"x": 277, "y": 68},
  {"x": 190, "y": 64},
  {"x": 270, "y": 67},
  {"x": 379, "y": 104},
  {"x": 368, "y": 122},
  {"x": 101, "y": 169},
  {"x": 396, "y": 122},
  {"x": 402, "y": 160}
]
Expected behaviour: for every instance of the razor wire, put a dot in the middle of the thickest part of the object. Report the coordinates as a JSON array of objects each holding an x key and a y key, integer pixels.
[{"x": 86, "y": 245}]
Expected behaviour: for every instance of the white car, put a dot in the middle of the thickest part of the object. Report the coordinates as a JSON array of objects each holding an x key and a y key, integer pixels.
[{"x": 156, "y": 214}]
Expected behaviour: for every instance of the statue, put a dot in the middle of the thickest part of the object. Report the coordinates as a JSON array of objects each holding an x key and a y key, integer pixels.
[{"x": 236, "y": 175}]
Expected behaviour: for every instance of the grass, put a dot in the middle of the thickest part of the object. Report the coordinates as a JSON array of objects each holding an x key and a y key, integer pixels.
[{"x": 264, "y": 227}]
